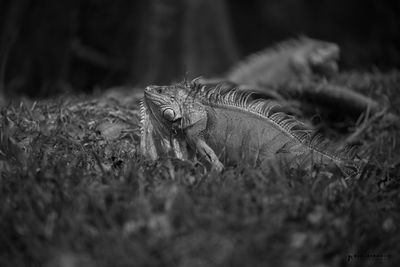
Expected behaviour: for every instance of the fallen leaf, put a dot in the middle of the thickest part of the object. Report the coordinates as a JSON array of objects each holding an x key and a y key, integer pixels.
[{"x": 110, "y": 130}]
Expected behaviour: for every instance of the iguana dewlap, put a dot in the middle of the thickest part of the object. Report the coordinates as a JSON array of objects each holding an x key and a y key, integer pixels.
[{"x": 225, "y": 125}]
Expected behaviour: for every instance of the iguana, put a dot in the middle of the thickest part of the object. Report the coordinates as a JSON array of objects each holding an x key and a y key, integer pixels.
[
  {"x": 299, "y": 69},
  {"x": 221, "y": 124},
  {"x": 291, "y": 60}
]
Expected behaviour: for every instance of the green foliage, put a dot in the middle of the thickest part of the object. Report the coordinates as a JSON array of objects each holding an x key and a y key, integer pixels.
[{"x": 75, "y": 192}]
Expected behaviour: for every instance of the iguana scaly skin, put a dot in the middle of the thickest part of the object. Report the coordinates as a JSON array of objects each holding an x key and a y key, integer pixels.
[
  {"x": 219, "y": 124},
  {"x": 295, "y": 59}
]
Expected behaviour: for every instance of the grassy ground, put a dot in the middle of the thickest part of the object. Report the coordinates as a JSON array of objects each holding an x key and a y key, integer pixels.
[{"x": 75, "y": 192}]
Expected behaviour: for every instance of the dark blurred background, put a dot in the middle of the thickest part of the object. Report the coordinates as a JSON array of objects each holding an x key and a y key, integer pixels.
[{"x": 49, "y": 47}]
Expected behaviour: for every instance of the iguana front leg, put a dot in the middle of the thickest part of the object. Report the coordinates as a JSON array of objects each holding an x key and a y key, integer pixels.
[
  {"x": 195, "y": 137},
  {"x": 209, "y": 154}
]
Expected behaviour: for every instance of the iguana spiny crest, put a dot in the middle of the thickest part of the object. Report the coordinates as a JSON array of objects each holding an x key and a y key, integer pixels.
[
  {"x": 295, "y": 59},
  {"x": 223, "y": 124}
]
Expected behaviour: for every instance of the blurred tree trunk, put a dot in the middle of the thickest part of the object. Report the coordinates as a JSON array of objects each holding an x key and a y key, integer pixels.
[
  {"x": 183, "y": 38},
  {"x": 53, "y": 25},
  {"x": 34, "y": 47},
  {"x": 10, "y": 31}
]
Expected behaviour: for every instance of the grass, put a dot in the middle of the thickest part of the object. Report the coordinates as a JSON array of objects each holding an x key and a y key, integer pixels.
[{"x": 76, "y": 192}]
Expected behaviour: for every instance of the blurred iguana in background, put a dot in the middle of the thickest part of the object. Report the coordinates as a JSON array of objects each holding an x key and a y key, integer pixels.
[
  {"x": 300, "y": 69},
  {"x": 292, "y": 60}
]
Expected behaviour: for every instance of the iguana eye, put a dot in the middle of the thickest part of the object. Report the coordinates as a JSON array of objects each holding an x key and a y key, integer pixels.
[{"x": 169, "y": 114}]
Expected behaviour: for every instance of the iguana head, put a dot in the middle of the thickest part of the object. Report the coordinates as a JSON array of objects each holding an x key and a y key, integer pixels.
[
  {"x": 323, "y": 57},
  {"x": 161, "y": 121},
  {"x": 165, "y": 105},
  {"x": 173, "y": 107}
]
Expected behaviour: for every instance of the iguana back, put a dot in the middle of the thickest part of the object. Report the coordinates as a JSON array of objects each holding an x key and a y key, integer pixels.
[{"x": 238, "y": 135}]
